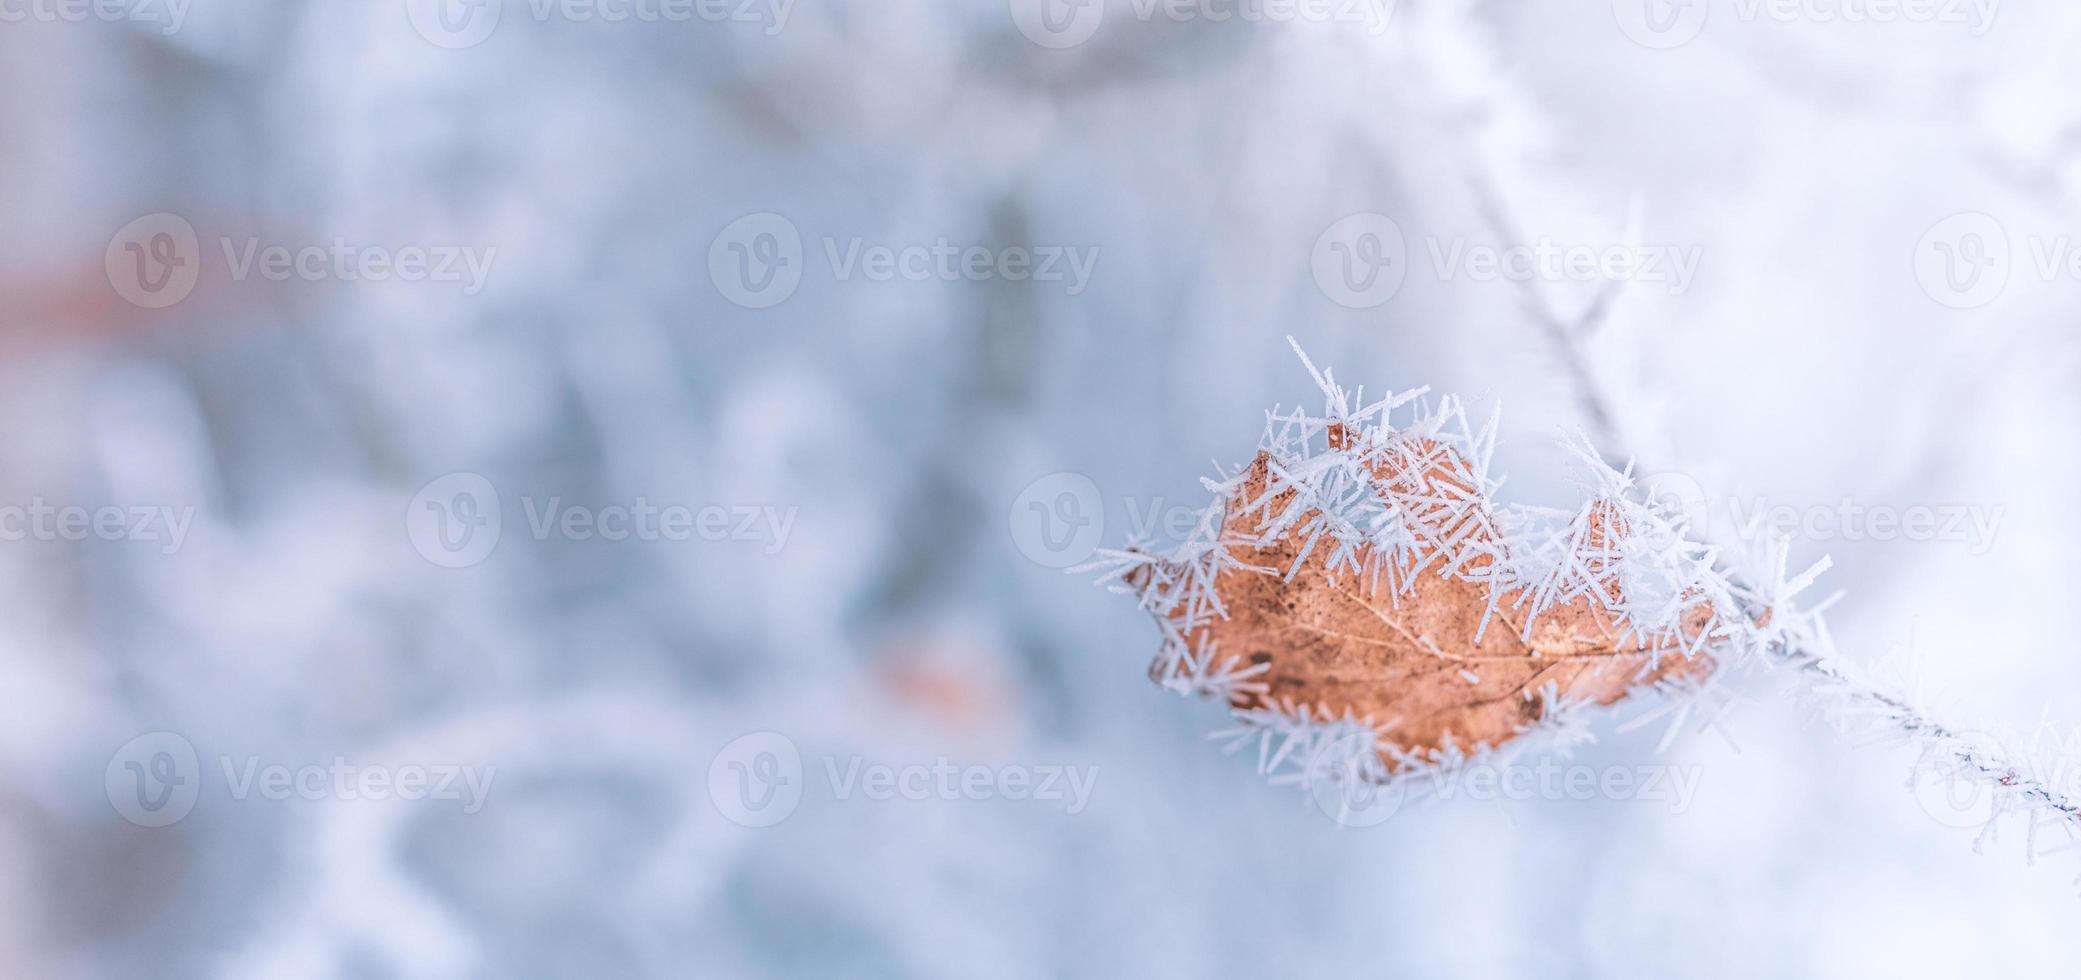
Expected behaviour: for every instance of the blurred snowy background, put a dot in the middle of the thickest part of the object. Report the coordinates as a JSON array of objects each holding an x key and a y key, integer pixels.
[{"x": 710, "y": 276}]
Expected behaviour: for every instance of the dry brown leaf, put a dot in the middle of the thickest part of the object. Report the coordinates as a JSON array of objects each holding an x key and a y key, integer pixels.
[{"x": 1410, "y": 661}]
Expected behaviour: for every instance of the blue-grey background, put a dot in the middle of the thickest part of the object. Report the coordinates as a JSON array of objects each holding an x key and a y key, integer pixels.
[{"x": 1803, "y": 158}]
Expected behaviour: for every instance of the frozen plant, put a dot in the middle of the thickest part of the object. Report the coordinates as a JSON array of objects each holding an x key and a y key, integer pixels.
[{"x": 1371, "y": 611}]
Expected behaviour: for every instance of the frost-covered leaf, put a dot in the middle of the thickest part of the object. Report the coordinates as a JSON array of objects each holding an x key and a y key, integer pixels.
[
  {"x": 1360, "y": 597},
  {"x": 1430, "y": 656}
]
